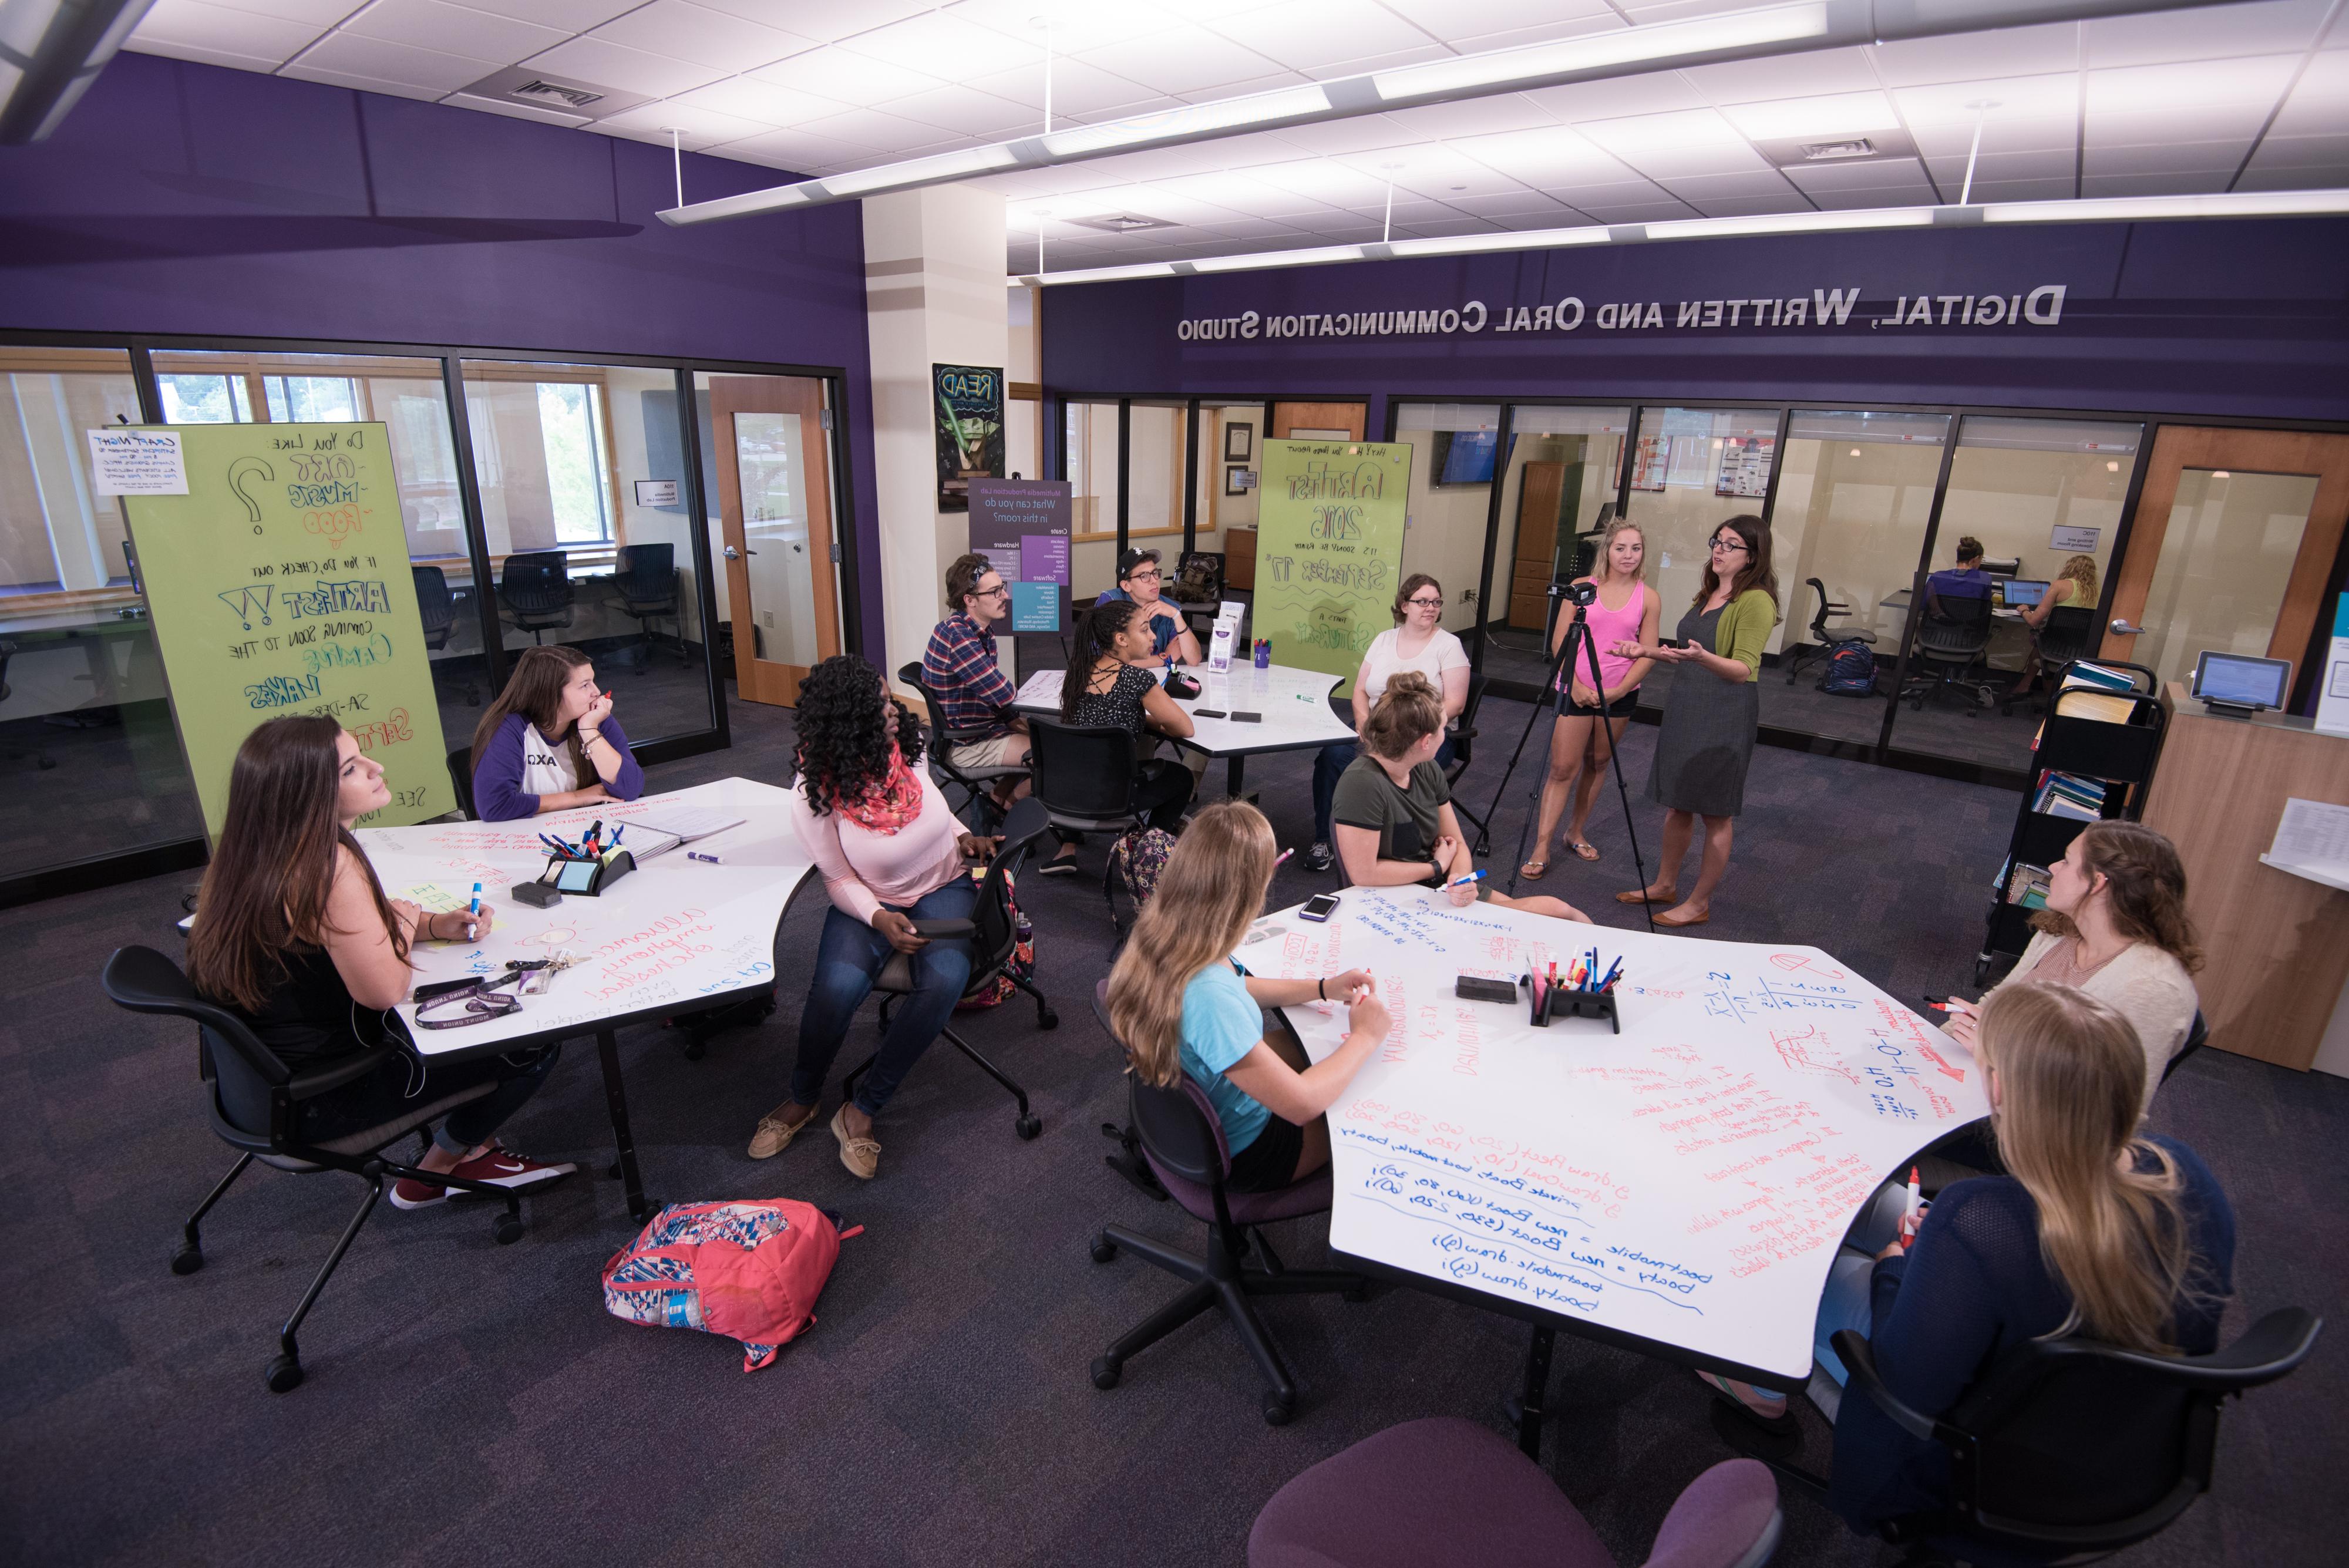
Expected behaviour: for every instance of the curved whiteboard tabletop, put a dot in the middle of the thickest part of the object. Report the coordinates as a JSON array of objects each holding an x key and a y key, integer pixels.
[
  {"x": 664, "y": 937},
  {"x": 1294, "y": 704},
  {"x": 1684, "y": 1183}
]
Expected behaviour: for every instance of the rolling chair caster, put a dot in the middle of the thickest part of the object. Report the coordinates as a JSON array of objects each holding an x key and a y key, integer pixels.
[
  {"x": 187, "y": 1258},
  {"x": 1105, "y": 1372},
  {"x": 1028, "y": 1126},
  {"x": 1276, "y": 1410},
  {"x": 283, "y": 1374},
  {"x": 1104, "y": 1250}
]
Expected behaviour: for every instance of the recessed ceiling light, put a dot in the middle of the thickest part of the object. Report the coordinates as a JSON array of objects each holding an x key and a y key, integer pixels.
[
  {"x": 2217, "y": 473},
  {"x": 2112, "y": 468},
  {"x": 1854, "y": 451}
]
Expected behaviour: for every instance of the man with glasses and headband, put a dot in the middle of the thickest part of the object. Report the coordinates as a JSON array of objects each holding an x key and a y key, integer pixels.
[
  {"x": 1138, "y": 579},
  {"x": 960, "y": 668}
]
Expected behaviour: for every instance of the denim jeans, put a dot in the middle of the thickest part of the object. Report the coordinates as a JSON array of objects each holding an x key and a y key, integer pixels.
[
  {"x": 848, "y": 957},
  {"x": 1331, "y": 760},
  {"x": 391, "y": 1089}
]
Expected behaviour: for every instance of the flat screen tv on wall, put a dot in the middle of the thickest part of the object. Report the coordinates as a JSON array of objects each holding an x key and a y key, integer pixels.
[{"x": 1465, "y": 457}]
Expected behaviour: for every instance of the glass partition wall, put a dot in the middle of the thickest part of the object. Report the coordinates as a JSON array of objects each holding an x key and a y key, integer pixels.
[{"x": 1560, "y": 482}]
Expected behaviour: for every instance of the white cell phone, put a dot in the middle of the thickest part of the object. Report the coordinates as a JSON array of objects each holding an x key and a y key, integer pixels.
[{"x": 1319, "y": 908}]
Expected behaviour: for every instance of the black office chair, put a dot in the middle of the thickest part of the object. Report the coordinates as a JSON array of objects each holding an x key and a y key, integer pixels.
[
  {"x": 1085, "y": 777},
  {"x": 40, "y": 758},
  {"x": 535, "y": 589},
  {"x": 2198, "y": 1035},
  {"x": 1949, "y": 647},
  {"x": 1464, "y": 742},
  {"x": 2069, "y": 634},
  {"x": 975, "y": 782},
  {"x": 1824, "y": 639},
  {"x": 255, "y": 1101},
  {"x": 438, "y": 607},
  {"x": 2067, "y": 1448},
  {"x": 992, "y": 936},
  {"x": 1183, "y": 1142},
  {"x": 460, "y": 779},
  {"x": 646, "y": 576}
]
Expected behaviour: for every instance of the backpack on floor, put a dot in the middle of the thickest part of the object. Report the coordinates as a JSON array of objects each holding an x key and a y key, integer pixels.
[
  {"x": 751, "y": 1271},
  {"x": 1021, "y": 964},
  {"x": 1851, "y": 671}
]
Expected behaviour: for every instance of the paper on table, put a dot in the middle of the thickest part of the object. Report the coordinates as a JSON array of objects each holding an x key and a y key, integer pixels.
[{"x": 2313, "y": 833}]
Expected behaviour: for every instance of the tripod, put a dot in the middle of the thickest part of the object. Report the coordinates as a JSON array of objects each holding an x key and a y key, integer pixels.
[{"x": 1577, "y": 635}]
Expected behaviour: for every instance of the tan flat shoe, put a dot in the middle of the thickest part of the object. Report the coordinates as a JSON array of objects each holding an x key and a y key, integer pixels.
[
  {"x": 1667, "y": 919},
  {"x": 861, "y": 1155},
  {"x": 1640, "y": 896},
  {"x": 775, "y": 1133}
]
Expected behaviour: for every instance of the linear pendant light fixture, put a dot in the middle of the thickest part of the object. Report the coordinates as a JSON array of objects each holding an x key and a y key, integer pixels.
[
  {"x": 2092, "y": 210},
  {"x": 1748, "y": 34}
]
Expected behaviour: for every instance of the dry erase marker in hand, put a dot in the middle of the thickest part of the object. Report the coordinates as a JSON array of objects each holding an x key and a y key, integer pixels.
[
  {"x": 1462, "y": 881},
  {"x": 708, "y": 859},
  {"x": 473, "y": 910}
]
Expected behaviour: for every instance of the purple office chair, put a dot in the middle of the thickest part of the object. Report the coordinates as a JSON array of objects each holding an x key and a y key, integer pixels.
[{"x": 1447, "y": 1490}]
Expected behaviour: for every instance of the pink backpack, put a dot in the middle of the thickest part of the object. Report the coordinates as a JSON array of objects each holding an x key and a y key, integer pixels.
[{"x": 751, "y": 1271}]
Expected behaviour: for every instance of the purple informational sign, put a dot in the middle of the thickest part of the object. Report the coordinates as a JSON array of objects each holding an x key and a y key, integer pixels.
[
  {"x": 1044, "y": 558},
  {"x": 1022, "y": 526}
]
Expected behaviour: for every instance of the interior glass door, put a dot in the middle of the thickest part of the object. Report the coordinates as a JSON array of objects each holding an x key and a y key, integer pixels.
[{"x": 774, "y": 496}]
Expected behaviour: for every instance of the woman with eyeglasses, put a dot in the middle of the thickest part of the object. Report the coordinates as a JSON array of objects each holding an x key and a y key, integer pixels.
[
  {"x": 1418, "y": 642},
  {"x": 1708, "y": 731}
]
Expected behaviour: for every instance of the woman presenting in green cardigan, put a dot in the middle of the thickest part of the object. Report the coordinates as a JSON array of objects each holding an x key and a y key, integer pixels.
[{"x": 1709, "y": 723}]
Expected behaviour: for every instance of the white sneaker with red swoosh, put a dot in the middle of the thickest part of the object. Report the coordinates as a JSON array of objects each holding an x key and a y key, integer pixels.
[{"x": 501, "y": 1167}]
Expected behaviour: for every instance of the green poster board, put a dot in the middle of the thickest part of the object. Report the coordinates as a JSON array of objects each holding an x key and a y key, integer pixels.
[
  {"x": 279, "y": 584},
  {"x": 1329, "y": 550}
]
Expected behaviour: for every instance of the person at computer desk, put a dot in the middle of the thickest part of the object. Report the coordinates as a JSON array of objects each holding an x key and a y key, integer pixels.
[
  {"x": 1966, "y": 580},
  {"x": 292, "y": 933},
  {"x": 1395, "y": 824},
  {"x": 549, "y": 743},
  {"x": 1139, "y": 580},
  {"x": 2099, "y": 1231},
  {"x": 2075, "y": 585}
]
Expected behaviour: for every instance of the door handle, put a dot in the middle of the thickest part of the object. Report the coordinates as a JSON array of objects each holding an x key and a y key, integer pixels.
[
  {"x": 733, "y": 553},
  {"x": 2122, "y": 629}
]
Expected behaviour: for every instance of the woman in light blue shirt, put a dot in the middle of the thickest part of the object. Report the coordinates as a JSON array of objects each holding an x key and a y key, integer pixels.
[{"x": 1182, "y": 1006}]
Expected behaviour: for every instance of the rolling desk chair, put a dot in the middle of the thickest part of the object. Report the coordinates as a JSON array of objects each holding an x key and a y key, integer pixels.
[
  {"x": 437, "y": 606},
  {"x": 2067, "y": 636},
  {"x": 536, "y": 590},
  {"x": 255, "y": 1104},
  {"x": 938, "y": 752},
  {"x": 646, "y": 578},
  {"x": 1949, "y": 646},
  {"x": 1084, "y": 779},
  {"x": 993, "y": 935},
  {"x": 1183, "y": 1142},
  {"x": 1462, "y": 737},
  {"x": 1826, "y": 638},
  {"x": 461, "y": 778}
]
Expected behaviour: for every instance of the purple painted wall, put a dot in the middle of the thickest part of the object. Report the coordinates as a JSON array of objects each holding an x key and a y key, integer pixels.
[
  {"x": 2245, "y": 318},
  {"x": 192, "y": 200}
]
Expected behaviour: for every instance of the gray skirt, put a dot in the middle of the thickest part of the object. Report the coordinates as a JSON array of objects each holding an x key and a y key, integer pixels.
[{"x": 1707, "y": 739}]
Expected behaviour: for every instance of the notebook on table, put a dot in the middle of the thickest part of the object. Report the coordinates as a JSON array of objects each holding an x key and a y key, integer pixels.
[{"x": 670, "y": 825}]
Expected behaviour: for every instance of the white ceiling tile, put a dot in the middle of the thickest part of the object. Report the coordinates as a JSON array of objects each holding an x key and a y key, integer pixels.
[
  {"x": 513, "y": 110},
  {"x": 2302, "y": 151},
  {"x": 322, "y": 14},
  {"x": 1302, "y": 33},
  {"x": 1833, "y": 115},
  {"x": 1639, "y": 212},
  {"x": 966, "y": 112},
  {"x": 387, "y": 62},
  {"x": 2179, "y": 158},
  {"x": 2205, "y": 34},
  {"x": 1444, "y": 228},
  {"x": 2251, "y": 85},
  {"x": 1916, "y": 195},
  {"x": 1363, "y": 65},
  {"x": 1324, "y": 180},
  {"x": 1967, "y": 56},
  {"x": 2004, "y": 166},
  {"x": 1783, "y": 76},
  {"x": 892, "y": 135},
  {"x": 698, "y": 128},
  {"x": 1862, "y": 174},
  {"x": 2153, "y": 184},
  {"x": 453, "y": 29},
  {"x": 1457, "y": 19},
  {"x": 633, "y": 70},
  {"x": 2020, "y": 190},
  {"x": 835, "y": 73},
  {"x": 1433, "y": 169},
  {"x": 768, "y": 104},
  {"x": 1474, "y": 116},
  {"x": 195, "y": 24},
  {"x": 199, "y": 54},
  {"x": 824, "y": 19},
  {"x": 1751, "y": 206},
  {"x": 1721, "y": 187},
  {"x": 1546, "y": 158},
  {"x": 2055, "y": 95},
  {"x": 1513, "y": 209},
  {"x": 1363, "y": 133},
  {"x": 1684, "y": 144},
  {"x": 301, "y": 72},
  {"x": 796, "y": 150},
  {"x": 2036, "y": 135},
  {"x": 1659, "y": 92},
  {"x": 1077, "y": 89},
  {"x": 566, "y": 15},
  {"x": 1076, "y": 24},
  {"x": 2319, "y": 104},
  {"x": 1186, "y": 62},
  {"x": 2316, "y": 177},
  {"x": 685, "y": 31},
  {"x": 1614, "y": 192},
  {"x": 941, "y": 45},
  {"x": 2152, "y": 127}
]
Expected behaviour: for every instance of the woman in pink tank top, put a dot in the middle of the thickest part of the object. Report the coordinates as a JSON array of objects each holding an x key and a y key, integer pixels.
[{"x": 1581, "y": 743}]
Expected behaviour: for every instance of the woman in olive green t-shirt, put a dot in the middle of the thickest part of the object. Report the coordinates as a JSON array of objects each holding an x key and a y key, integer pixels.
[{"x": 1708, "y": 731}]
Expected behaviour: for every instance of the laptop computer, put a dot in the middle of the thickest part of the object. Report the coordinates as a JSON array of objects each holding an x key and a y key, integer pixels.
[{"x": 2019, "y": 593}]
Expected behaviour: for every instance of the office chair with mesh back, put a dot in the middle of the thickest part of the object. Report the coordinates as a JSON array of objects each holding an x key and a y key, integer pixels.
[
  {"x": 993, "y": 935},
  {"x": 1085, "y": 777},
  {"x": 646, "y": 578},
  {"x": 975, "y": 782},
  {"x": 255, "y": 1110},
  {"x": 1824, "y": 639},
  {"x": 460, "y": 779},
  {"x": 535, "y": 589},
  {"x": 1462, "y": 737},
  {"x": 437, "y": 606},
  {"x": 2069, "y": 634},
  {"x": 1949, "y": 648}
]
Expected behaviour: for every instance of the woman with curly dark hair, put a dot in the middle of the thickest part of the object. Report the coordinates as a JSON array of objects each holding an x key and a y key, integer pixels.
[{"x": 891, "y": 853}]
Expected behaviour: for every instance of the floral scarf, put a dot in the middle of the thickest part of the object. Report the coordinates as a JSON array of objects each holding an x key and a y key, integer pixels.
[{"x": 888, "y": 806}]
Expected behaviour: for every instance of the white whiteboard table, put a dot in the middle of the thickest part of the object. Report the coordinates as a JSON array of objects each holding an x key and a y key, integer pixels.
[
  {"x": 675, "y": 936},
  {"x": 1294, "y": 704},
  {"x": 1677, "y": 1190}
]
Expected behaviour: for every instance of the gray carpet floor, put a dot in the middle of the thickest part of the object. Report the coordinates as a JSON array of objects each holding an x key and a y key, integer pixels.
[{"x": 470, "y": 1403}]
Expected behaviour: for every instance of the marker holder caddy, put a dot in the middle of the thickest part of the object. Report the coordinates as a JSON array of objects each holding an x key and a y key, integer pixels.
[
  {"x": 587, "y": 879},
  {"x": 1564, "y": 1000}
]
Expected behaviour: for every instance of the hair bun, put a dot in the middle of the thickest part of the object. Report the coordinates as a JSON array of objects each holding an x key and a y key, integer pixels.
[{"x": 1409, "y": 680}]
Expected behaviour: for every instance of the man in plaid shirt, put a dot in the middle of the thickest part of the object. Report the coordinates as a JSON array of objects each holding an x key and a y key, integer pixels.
[{"x": 960, "y": 668}]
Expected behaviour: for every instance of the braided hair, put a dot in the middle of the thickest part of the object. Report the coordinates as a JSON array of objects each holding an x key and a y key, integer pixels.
[
  {"x": 1097, "y": 629},
  {"x": 845, "y": 721}
]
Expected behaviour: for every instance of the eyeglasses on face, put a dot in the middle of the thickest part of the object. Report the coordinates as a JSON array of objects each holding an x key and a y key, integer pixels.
[
  {"x": 1424, "y": 603},
  {"x": 1723, "y": 547},
  {"x": 1149, "y": 576},
  {"x": 997, "y": 592}
]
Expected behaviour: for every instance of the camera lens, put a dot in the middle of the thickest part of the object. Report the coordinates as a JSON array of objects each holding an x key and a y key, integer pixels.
[{"x": 1582, "y": 593}]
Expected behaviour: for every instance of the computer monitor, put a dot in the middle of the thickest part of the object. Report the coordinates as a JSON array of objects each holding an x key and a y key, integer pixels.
[
  {"x": 2231, "y": 681},
  {"x": 2020, "y": 593}
]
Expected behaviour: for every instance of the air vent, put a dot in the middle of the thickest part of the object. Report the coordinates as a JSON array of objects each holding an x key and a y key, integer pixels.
[
  {"x": 1829, "y": 151},
  {"x": 546, "y": 94},
  {"x": 1817, "y": 152},
  {"x": 1121, "y": 223},
  {"x": 579, "y": 98}
]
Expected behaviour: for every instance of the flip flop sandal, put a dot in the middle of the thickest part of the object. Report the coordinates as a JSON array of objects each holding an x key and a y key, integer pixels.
[
  {"x": 1584, "y": 851},
  {"x": 1533, "y": 870}
]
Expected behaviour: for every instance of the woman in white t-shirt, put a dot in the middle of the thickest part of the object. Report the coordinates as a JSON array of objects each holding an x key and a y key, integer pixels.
[{"x": 1418, "y": 642}]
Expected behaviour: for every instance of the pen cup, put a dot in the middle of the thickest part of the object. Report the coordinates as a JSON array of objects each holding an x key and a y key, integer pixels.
[{"x": 1564, "y": 1000}]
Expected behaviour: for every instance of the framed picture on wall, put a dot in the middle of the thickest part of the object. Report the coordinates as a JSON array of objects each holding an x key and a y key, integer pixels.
[
  {"x": 1240, "y": 443},
  {"x": 1239, "y": 480}
]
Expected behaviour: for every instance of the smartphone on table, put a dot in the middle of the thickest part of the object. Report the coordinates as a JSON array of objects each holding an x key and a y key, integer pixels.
[{"x": 1319, "y": 908}]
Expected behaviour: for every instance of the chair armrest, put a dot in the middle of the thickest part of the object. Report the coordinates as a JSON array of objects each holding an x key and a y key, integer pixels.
[
  {"x": 315, "y": 1081},
  {"x": 1859, "y": 1360}
]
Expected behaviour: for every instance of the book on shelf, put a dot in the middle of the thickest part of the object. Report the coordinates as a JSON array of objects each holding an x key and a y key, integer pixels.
[
  {"x": 2027, "y": 886},
  {"x": 2069, "y": 795}
]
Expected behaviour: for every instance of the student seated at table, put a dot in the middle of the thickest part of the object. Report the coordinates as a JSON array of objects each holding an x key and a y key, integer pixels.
[
  {"x": 960, "y": 668},
  {"x": 550, "y": 743},
  {"x": 2116, "y": 927},
  {"x": 1967, "y": 580},
  {"x": 1395, "y": 824},
  {"x": 1106, "y": 687},
  {"x": 1418, "y": 641},
  {"x": 1182, "y": 1005},
  {"x": 294, "y": 934},
  {"x": 891, "y": 853},
  {"x": 1139, "y": 581},
  {"x": 2076, "y": 585},
  {"x": 2124, "y": 1239}
]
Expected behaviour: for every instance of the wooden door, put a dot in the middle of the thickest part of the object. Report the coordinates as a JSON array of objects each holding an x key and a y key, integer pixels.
[
  {"x": 774, "y": 497},
  {"x": 2282, "y": 600},
  {"x": 1541, "y": 499},
  {"x": 1347, "y": 417}
]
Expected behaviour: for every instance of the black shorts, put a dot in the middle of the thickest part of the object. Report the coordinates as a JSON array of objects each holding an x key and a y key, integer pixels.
[
  {"x": 1269, "y": 1163},
  {"x": 1568, "y": 708}
]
